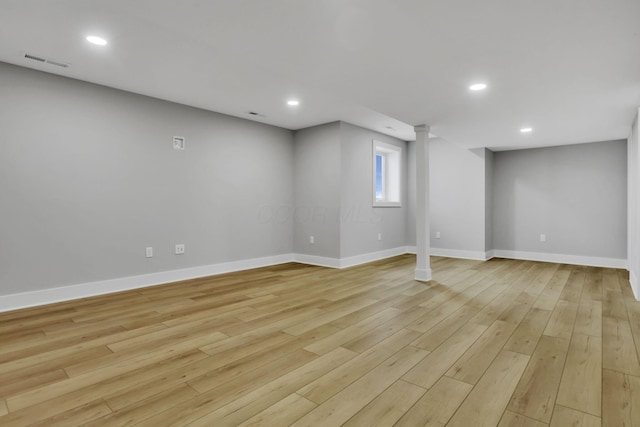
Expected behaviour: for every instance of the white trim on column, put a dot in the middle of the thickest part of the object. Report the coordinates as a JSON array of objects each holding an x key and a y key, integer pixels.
[
  {"x": 423, "y": 275},
  {"x": 423, "y": 266}
]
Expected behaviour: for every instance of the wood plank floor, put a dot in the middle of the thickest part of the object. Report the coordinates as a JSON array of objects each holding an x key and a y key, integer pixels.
[{"x": 503, "y": 342}]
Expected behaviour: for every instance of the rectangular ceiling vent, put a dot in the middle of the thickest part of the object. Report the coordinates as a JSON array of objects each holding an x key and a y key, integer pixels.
[{"x": 45, "y": 60}]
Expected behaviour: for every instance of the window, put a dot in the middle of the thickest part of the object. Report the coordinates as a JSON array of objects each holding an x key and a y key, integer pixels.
[{"x": 386, "y": 174}]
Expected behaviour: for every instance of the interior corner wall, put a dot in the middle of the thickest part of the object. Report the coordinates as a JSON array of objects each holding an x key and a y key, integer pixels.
[
  {"x": 360, "y": 222},
  {"x": 89, "y": 178},
  {"x": 457, "y": 191},
  {"x": 488, "y": 202},
  {"x": 410, "y": 226},
  {"x": 633, "y": 247},
  {"x": 317, "y": 177},
  {"x": 576, "y": 195}
]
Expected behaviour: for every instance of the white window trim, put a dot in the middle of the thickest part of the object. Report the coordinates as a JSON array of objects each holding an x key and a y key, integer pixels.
[{"x": 379, "y": 147}]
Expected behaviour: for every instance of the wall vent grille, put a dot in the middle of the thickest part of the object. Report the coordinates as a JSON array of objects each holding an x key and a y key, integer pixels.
[{"x": 46, "y": 60}]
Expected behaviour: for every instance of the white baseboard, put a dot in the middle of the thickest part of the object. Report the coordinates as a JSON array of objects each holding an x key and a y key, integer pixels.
[
  {"x": 349, "y": 261},
  {"x": 320, "y": 261},
  {"x": 635, "y": 286},
  {"x": 67, "y": 293},
  {"x": 456, "y": 253},
  {"x": 84, "y": 290},
  {"x": 562, "y": 259},
  {"x": 423, "y": 275},
  {"x": 372, "y": 256}
]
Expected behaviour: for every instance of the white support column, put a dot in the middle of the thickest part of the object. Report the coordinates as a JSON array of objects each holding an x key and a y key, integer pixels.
[{"x": 423, "y": 245}]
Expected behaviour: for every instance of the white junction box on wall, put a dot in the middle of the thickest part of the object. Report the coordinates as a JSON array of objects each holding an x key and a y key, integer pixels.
[{"x": 179, "y": 142}]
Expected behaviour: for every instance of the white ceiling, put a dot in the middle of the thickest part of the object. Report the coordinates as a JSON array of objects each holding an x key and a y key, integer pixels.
[{"x": 568, "y": 68}]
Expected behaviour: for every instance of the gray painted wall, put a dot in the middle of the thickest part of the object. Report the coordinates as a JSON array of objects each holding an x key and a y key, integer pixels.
[
  {"x": 360, "y": 222},
  {"x": 576, "y": 195},
  {"x": 633, "y": 199},
  {"x": 411, "y": 194},
  {"x": 89, "y": 178},
  {"x": 317, "y": 190},
  {"x": 488, "y": 200},
  {"x": 457, "y": 187}
]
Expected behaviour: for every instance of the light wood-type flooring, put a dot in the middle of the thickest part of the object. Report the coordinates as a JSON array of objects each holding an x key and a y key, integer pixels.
[{"x": 503, "y": 342}]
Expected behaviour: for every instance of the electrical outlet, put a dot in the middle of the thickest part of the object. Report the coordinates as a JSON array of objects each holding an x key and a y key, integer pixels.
[
  {"x": 437, "y": 234},
  {"x": 180, "y": 249},
  {"x": 312, "y": 240},
  {"x": 543, "y": 237},
  {"x": 149, "y": 252},
  {"x": 379, "y": 236},
  {"x": 179, "y": 143}
]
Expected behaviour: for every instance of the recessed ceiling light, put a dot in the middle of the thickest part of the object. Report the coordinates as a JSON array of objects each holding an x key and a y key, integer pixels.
[
  {"x": 478, "y": 86},
  {"x": 526, "y": 130},
  {"x": 96, "y": 40},
  {"x": 293, "y": 102}
]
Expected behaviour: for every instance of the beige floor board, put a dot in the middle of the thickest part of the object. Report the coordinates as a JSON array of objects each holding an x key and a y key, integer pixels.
[
  {"x": 535, "y": 394},
  {"x": 69, "y": 358},
  {"x": 146, "y": 357},
  {"x": 613, "y": 304},
  {"x": 21, "y": 382},
  {"x": 619, "y": 351},
  {"x": 25, "y": 358},
  {"x": 328, "y": 317},
  {"x": 518, "y": 309},
  {"x": 511, "y": 419},
  {"x": 77, "y": 416},
  {"x": 116, "y": 384},
  {"x": 562, "y": 320},
  {"x": 139, "y": 352},
  {"x": 282, "y": 413},
  {"x": 371, "y": 338},
  {"x": 207, "y": 373},
  {"x": 353, "y": 398},
  {"x": 526, "y": 336},
  {"x": 563, "y": 417},
  {"x": 589, "y": 318},
  {"x": 329, "y": 343},
  {"x": 593, "y": 284},
  {"x": 234, "y": 362},
  {"x": 498, "y": 382},
  {"x": 331, "y": 383},
  {"x": 438, "y": 405},
  {"x": 227, "y": 392},
  {"x": 621, "y": 399},
  {"x": 473, "y": 363},
  {"x": 146, "y": 408},
  {"x": 581, "y": 384},
  {"x": 48, "y": 344},
  {"x": 426, "y": 373},
  {"x": 573, "y": 288},
  {"x": 89, "y": 378},
  {"x": 431, "y": 339},
  {"x": 633, "y": 310},
  {"x": 263, "y": 397},
  {"x": 551, "y": 293},
  {"x": 388, "y": 407}
]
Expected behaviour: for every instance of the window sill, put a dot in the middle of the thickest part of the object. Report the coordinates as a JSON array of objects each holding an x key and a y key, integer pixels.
[{"x": 387, "y": 204}]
